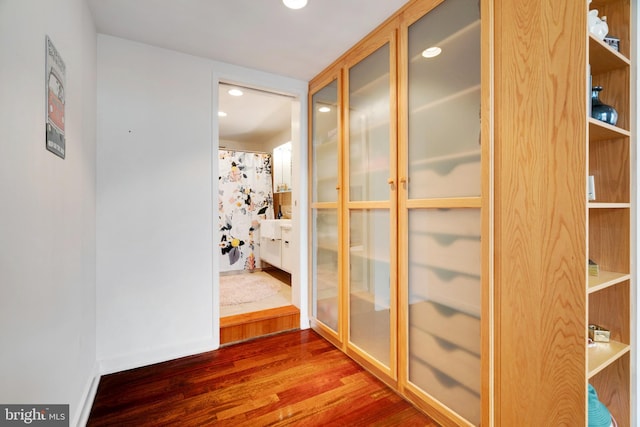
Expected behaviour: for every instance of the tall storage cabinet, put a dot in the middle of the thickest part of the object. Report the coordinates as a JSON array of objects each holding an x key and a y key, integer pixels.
[{"x": 451, "y": 227}]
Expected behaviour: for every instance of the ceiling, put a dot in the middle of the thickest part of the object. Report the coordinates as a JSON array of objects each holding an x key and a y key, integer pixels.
[
  {"x": 269, "y": 113},
  {"x": 258, "y": 34}
]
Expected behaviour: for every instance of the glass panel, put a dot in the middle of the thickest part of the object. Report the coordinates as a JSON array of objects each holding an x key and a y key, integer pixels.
[
  {"x": 369, "y": 103},
  {"x": 325, "y": 143},
  {"x": 444, "y": 102},
  {"x": 325, "y": 267},
  {"x": 444, "y": 306},
  {"x": 369, "y": 283}
]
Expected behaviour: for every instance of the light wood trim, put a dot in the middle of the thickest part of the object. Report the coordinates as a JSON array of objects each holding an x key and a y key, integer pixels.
[
  {"x": 403, "y": 233},
  {"x": 489, "y": 327},
  {"x": 540, "y": 205},
  {"x": 393, "y": 214}
]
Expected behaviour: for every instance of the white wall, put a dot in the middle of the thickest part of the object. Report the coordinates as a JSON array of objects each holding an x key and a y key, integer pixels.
[
  {"x": 47, "y": 209},
  {"x": 157, "y": 269}
]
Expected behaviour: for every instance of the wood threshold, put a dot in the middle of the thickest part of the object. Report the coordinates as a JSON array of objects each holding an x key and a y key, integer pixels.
[{"x": 245, "y": 326}]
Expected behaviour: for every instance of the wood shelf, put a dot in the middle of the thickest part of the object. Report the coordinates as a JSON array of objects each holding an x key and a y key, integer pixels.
[
  {"x": 604, "y": 205},
  {"x": 602, "y": 58},
  {"x": 601, "y": 131},
  {"x": 603, "y": 354},
  {"x": 605, "y": 279}
]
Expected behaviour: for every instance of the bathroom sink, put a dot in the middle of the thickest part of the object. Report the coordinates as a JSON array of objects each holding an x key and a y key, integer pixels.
[{"x": 271, "y": 228}]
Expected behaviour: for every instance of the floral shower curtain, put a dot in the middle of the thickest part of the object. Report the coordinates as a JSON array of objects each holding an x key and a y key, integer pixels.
[{"x": 245, "y": 196}]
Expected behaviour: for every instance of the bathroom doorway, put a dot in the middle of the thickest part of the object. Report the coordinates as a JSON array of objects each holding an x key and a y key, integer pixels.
[{"x": 255, "y": 126}]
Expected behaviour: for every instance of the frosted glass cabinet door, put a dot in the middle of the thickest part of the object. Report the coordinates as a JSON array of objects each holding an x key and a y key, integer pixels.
[
  {"x": 369, "y": 127},
  {"x": 369, "y": 283},
  {"x": 325, "y": 222},
  {"x": 444, "y": 306},
  {"x": 444, "y": 102},
  {"x": 325, "y": 267},
  {"x": 325, "y": 144}
]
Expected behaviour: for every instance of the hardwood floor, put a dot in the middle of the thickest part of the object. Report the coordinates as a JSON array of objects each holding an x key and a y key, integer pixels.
[{"x": 293, "y": 378}]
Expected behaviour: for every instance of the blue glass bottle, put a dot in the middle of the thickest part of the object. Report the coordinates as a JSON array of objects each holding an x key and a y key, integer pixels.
[{"x": 600, "y": 111}]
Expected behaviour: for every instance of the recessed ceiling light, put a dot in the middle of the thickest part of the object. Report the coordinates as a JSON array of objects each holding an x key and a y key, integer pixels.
[
  {"x": 295, "y": 4},
  {"x": 222, "y": 114},
  {"x": 431, "y": 52},
  {"x": 324, "y": 109},
  {"x": 235, "y": 92}
]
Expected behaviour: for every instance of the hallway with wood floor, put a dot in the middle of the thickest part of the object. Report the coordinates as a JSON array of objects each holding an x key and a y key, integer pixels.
[{"x": 293, "y": 378}]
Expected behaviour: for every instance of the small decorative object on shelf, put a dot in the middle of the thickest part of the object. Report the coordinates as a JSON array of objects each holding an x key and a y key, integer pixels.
[
  {"x": 591, "y": 188},
  {"x": 599, "y": 334},
  {"x": 597, "y": 26},
  {"x": 613, "y": 42},
  {"x": 598, "y": 414},
  {"x": 600, "y": 111},
  {"x": 594, "y": 269}
]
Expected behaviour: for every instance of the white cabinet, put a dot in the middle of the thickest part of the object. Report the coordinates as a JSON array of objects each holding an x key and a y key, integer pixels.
[
  {"x": 276, "y": 244},
  {"x": 286, "y": 251}
]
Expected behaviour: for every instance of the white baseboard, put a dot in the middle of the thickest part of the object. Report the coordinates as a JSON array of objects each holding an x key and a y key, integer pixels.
[
  {"x": 123, "y": 363},
  {"x": 86, "y": 402}
]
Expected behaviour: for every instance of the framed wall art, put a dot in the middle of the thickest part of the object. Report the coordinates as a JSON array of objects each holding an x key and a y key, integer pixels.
[{"x": 54, "y": 83}]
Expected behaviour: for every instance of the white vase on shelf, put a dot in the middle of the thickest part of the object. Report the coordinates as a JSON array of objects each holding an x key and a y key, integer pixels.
[{"x": 597, "y": 26}]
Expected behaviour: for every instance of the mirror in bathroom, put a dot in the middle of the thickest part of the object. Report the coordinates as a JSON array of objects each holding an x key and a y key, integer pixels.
[{"x": 282, "y": 168}]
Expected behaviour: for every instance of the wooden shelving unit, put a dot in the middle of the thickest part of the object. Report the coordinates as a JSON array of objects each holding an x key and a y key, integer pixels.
[{"x": 609, "y": 219}]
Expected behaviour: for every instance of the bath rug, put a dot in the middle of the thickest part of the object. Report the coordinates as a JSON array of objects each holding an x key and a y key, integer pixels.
[{"x": 250, "y": 287}]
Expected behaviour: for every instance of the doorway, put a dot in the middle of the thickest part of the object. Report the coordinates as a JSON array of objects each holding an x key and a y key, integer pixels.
[{"x": 255, "y": 127}]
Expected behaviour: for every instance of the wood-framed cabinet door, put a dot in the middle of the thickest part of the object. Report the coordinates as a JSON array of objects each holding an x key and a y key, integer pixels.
[
  {"x": 325, "y": 168},
  {"x": 369, "y": 247},
  {"x": 440, "y": 208}
]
